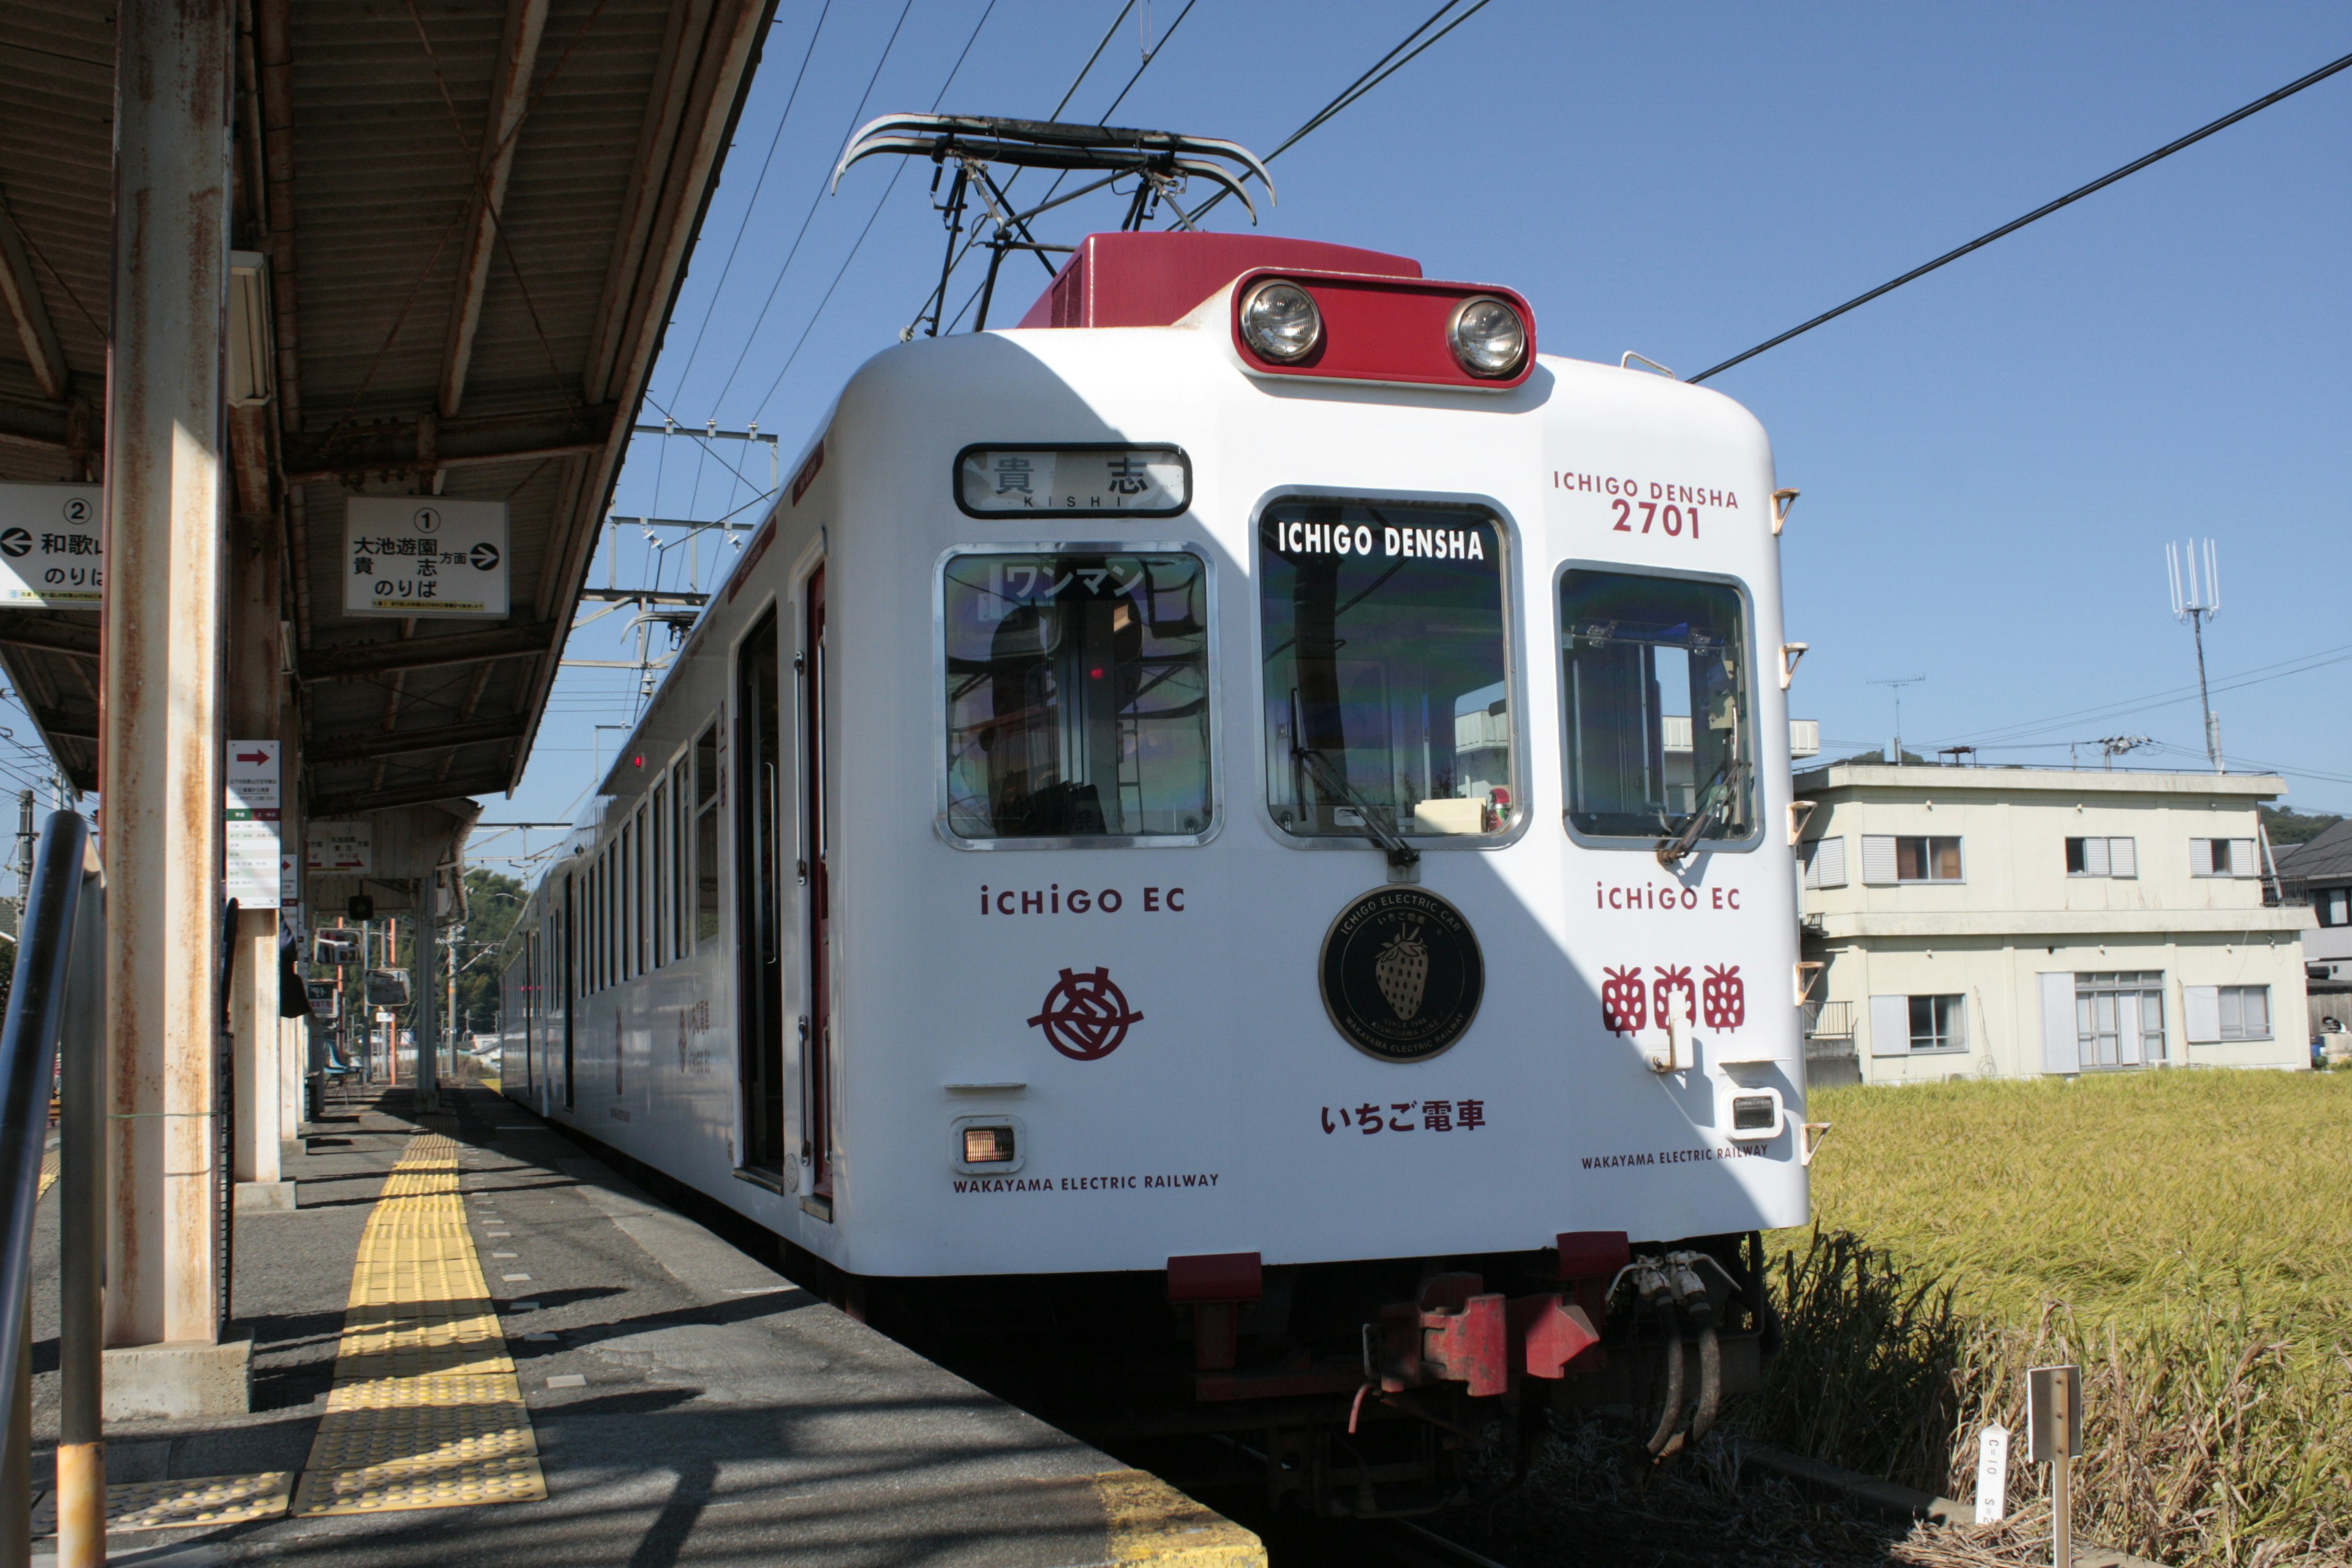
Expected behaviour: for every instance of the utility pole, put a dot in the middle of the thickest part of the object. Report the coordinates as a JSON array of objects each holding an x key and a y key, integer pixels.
[
  {"x": 1898, "y": 683},
  {"x": 2197, "y": 601},
  {"x": 24, "y": 854}
]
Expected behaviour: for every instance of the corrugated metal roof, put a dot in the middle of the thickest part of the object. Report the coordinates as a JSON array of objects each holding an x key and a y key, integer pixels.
[{"x": 380, "y": 111}]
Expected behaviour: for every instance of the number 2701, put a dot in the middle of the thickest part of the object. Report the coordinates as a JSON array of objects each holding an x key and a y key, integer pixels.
[{"x": 1668, "y": 518}]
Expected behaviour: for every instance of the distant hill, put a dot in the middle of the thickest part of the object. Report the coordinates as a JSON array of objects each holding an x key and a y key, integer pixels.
[{"x": 2287, "y": 825}]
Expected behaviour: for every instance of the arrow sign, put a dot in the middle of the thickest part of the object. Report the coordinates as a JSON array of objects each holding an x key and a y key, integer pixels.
[{"x": 253, "y": 756}]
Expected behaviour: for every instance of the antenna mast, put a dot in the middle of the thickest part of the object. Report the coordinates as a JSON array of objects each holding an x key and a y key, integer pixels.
[
  {"x": 2195, "y": 569},
  {"x": 1899, "y": 682}
]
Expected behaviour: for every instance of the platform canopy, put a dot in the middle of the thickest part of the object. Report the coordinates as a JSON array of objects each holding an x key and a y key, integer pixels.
[{"x": 459, "y": 227}]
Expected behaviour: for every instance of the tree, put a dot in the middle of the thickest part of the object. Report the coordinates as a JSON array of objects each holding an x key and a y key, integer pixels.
[
  {"x": 2287, "y": 825},
  {"x": 493, "y": 903}
]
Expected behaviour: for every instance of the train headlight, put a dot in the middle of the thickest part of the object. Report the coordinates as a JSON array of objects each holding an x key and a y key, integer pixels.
[
  {"x": 1280, "y": 321},
  {"x": 1487, "y": 337}
]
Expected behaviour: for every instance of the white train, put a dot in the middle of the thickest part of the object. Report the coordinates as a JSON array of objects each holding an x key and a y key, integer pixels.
[{"x": 1253, "y": 801}]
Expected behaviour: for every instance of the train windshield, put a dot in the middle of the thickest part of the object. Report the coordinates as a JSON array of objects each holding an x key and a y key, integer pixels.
[
  {"x": 1655, "y": 686},
  {"x": 1078, "y": 696},
  {"x": 1387, "y": 709}
]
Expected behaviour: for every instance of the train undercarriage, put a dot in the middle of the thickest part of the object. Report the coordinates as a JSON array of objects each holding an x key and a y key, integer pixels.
[{"x": 1361, "y": 1390}]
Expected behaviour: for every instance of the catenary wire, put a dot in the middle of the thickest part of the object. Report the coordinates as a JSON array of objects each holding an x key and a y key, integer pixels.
[
  {"x": 859, "y": 244},
  {"x": 856, "y": 117},
  {"x": 2103, "y": 181},
  {"x": 751, "y": 203},
  {"x": 1348, "y": 95}
]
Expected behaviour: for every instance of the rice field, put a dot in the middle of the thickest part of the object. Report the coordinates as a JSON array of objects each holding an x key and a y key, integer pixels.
[{"x": 2184, "y": 1236}]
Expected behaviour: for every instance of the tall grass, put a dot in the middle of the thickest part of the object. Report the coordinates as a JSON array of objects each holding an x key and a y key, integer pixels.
[{"x": 2182, "y": 1236}]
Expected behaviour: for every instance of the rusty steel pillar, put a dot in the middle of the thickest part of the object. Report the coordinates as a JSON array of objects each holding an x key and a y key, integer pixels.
[
  {"x": 161, "y": 731},
  {"x": 250, "y": 700}
]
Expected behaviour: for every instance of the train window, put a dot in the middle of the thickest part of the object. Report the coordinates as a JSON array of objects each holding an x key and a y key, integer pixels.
[
  {"x": 681, "y": 869},
  {"x": 657, "y": 897},
  {"x": 706, "y": 836},
  {"x": 641, "y": 897},
  {"x": 1655, "y": 676},
  {"x": 1387, "y": 701},
  {"x": 1078, "y": 687}
]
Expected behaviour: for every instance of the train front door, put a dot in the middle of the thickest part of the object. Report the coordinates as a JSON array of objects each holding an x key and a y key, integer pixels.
[
  {"x": 816, "y": 1028},
  {"x": 760, "y": 956}
]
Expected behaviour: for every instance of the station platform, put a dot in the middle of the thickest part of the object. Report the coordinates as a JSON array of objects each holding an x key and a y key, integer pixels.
[{"x": 473, "y": 1343}]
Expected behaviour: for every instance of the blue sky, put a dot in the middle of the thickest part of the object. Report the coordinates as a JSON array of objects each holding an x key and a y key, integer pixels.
[{"x": 1991, "y": 458}]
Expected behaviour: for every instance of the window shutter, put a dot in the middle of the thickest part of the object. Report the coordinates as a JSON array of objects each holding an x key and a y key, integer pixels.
[
  {"x": 2094, "y": 857},
  {"x": 2257, "y": 1012},
  {"x": 1829, "y": 862},
  {"x": 2242, "y": 860},
  {"x": 2200, "y": 857},
  {"x": 2123, "y": 856},
  {"x": 1877, "y": 859},
  {"x": 2060, "y": 1050},
  {"x": 2203, "y": 1005},
  {"x": 1890, "y": 1025}
]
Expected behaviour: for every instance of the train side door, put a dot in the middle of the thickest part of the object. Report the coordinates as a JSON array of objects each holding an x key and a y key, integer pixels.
[
  {"x": 567, "y": 957},
  {"x": 816, "y": 1066},
  {"x": 759, "y": 949}
]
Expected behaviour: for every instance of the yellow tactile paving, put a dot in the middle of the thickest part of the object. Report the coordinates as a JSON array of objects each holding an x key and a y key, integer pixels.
[
  {"x": 425, "y": 1411},
  {"x": 176, "y": 1505},
  {"x": 1150, "y": 1523},
  {"x": 48, "y": 1174}
]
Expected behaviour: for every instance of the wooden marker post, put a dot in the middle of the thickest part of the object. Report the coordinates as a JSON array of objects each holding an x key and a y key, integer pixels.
[{"x": 2054, "y": 1421}]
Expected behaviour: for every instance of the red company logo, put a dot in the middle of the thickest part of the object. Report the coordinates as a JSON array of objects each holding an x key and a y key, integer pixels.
[{"x": 1084, "y": 1017}]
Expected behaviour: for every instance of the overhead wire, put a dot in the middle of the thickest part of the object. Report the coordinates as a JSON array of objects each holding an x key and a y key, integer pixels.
[
  {"x": 2279, "y": 669},
  {"x": 1355, "y": 90},
  {"x": 2101, "y": 182},
  {"x": 856, "y": 117},
  {"x": 879, "y": 201},
  {"x": 751, "y": 203}
]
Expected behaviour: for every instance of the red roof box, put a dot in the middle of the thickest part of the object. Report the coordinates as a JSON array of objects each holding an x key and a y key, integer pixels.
[{"x": 1157, "y": 279}]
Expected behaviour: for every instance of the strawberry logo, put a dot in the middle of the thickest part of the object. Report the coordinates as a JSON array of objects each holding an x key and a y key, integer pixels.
[{"x": 1402, "y": 970}]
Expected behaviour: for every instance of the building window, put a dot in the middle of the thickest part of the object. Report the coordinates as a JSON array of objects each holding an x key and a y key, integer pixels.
[
  {"x": 1385, "y": 689},
  {"x": 2246, "y": 1012},
  {"x": 2119, "y": 1019},
  {"x": 2102, "y": 858},
  {"x": 1904, "y": 1025},
  {"x": 1938, "y": 1024},
  {"x": 2222, "y": 858},
  {"x": 1889, "y": 858},
  {"x": 2218, "y": 1013},
  {"x": 1825, "y": 862},
  {"x": 1654, "y": 677},
  {"x": 2333, "y": 906}
]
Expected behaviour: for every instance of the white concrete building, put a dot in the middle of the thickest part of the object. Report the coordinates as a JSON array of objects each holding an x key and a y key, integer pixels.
[{"x": 2011, "y": 922}]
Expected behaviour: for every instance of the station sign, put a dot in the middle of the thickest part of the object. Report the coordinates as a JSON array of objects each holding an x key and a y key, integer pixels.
[
  {"x": 425, "y": 555},
  {"x": 344, "y": 849},
  {"x": 1089, "y": 480},
  {"x": 50, "y": 546},
  {"x": 251, "y": 815}
]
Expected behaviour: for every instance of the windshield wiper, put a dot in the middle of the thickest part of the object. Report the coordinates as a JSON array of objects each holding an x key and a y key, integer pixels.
[
  {"x": 1402, "y": 856},
  {"x": 1718, "y": 795}
]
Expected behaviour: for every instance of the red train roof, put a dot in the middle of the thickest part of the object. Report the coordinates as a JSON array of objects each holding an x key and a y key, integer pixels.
[{"x": 1155, "y": 279}]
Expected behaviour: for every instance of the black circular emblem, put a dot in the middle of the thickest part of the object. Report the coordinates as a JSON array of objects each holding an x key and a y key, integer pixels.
[
  {"x": 15, "y": 542},
  {"x": 1402, "y": 975}
]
